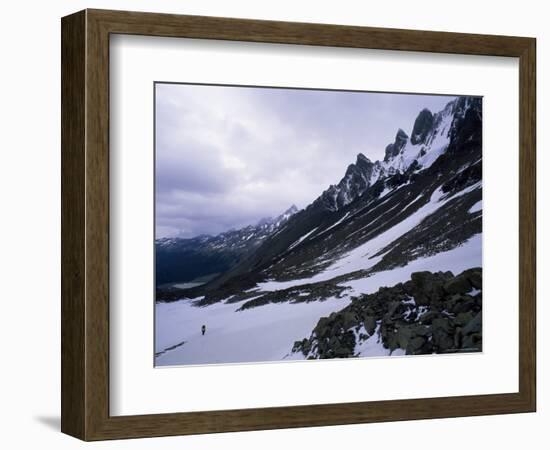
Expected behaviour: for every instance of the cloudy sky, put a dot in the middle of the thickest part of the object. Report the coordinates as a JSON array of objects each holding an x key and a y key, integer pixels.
[{"x": 229, "y": 156}]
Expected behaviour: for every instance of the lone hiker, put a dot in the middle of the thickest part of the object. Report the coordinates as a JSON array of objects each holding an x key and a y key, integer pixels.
[{"x": 203, "y": 329}]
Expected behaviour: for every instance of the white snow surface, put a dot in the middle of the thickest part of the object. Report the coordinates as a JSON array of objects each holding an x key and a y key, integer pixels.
[
  {"x": 456, "y": 260},
  {"x": 476, "y": 207},
  {"x": 265, "y": 333},
  {"x": 304, "y": 237},
  {"x": 372, "y": 346},
  {"x": 335, "y": 224}
]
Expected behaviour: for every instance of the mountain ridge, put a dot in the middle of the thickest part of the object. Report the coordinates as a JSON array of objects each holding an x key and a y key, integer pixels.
[
  {"x": 430, "y": 138},
  {"x": 186, "y": 259}
]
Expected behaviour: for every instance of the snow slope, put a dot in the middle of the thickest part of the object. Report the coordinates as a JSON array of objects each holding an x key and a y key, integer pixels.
[
  {"x": 266, "y": 333},
  {"x": 456, "y": 260}
]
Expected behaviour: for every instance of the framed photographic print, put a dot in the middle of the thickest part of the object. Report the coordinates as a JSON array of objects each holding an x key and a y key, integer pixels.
[{"x": 272, "y": 224}]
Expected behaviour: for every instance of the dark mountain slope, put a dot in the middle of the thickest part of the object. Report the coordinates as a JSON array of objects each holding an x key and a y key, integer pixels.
[{"x": 181, "y": 260}]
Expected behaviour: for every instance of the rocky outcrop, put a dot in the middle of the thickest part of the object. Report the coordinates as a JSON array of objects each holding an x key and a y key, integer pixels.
[
  {"x": 357, "y": 179},
  {"x": 430, "y": 313},
  {"x": 392, "y": 150},
  {"x": 422, "y": 127}
]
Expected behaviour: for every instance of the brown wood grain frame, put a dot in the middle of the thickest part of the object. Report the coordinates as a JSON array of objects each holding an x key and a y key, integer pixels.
[{"x": 85, "y": 224}]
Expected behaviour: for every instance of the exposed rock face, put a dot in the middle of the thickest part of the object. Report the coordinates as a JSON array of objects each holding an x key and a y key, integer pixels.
[
  {"x": 430, "y": 313},
  {"x": 422, "y": 126},
  {"x": 455, "y": 124},
  {"x": 392, "y": 150},
  {"x": 358, "y": 178}
]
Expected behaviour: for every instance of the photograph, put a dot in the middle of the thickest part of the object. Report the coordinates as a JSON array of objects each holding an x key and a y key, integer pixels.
[
  {"x": 303, "y": 224},
  {"x": 274, "y": 221}
]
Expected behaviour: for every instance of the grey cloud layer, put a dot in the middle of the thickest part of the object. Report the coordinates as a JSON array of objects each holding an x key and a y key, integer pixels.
[{"x": 228, "y": 156}]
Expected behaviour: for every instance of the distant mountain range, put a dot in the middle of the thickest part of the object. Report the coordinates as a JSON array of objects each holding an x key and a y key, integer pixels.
[{"x": 180, "y": 260}]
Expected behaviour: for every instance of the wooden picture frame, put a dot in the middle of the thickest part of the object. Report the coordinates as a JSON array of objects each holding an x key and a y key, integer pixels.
[{"x": 85, "y": 224}]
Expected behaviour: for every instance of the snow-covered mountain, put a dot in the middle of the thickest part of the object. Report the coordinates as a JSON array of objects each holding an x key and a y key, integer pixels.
[
  {"x": 180, "y": 259},
  {"x": 419, "y": 209},
  {"x": 430, "y": 138},
  {"x": 358, "y": 178}
]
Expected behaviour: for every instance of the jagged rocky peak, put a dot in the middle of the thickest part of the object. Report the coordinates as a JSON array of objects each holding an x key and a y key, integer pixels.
[
  {"x": 422, "y": 126},
  {"x": 268, "y": 221},
  {"x": 394, "y": 148},
  {"x": 287, "y": 214},
  {"x": 455, "y": 111},
  {"x": 358, "y": 178},
  {"x": 362, "y": 160},
  {"x": 462, "y": 104},
  {"x": 292, "y": 210},
  {"x": 465, "y": 130},
  {"x": 401, "y": 137},
  {"x": 264, "y": 221},
  {"x": 430, "y": 137},
  {"x": 362, "y": 165}
]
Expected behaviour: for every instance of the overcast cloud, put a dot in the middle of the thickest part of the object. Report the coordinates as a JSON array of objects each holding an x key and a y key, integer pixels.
[{"x": 229, "y": 156}]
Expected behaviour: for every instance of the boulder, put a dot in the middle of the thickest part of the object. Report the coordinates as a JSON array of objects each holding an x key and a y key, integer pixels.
[
  {"x": 392, "y": 308},
  {"x": 349, "y": 320},
  {"x": 442, "y": 323},
  {"x": 474, "y": 325},
  {"x": 465, "y": 304},
  {"x": 420, "y": 330},
  {"x": 422, "y": 280},
  {"x": 443, "y": 342},
  {"x": 458, "y": 337},
  {"x": 408, "y": 287},
  {"x": 421, "y": 299},
  {"x": 370, "y": 324},
  {"x": 404, "y": 335},
  {"x": 341, "y": 352},
  {"x": 473, "y": 342},
  {"x": 415, "y": 345},
  {"x": 428, "y": 287},
  {"x": 458, "y": 285},
  {"x": 475, "y": 277},
  {"x": 479, "y": 301},
  {"x": 391, "y": 341},
  {"x": 463, "y": 318},
  {"x": 323, "y": 328},
  {"x": 428, "y": 318},
  {"x": 443, "y": 334}
]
